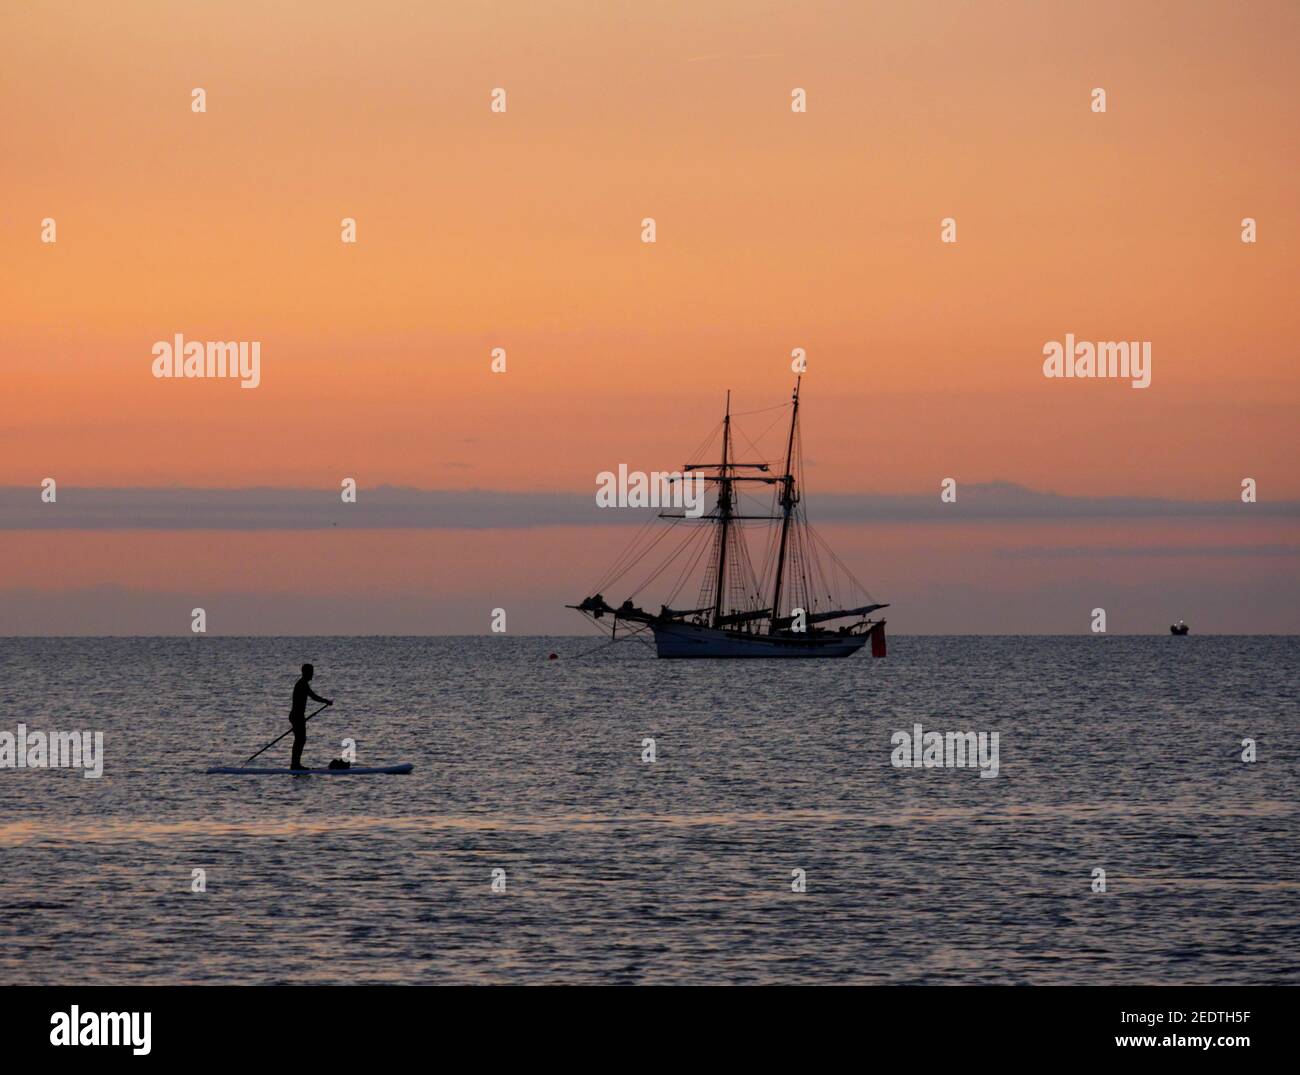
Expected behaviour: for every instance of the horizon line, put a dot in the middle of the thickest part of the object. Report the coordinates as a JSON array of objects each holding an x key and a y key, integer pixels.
[{"x": 401, "y": 507}]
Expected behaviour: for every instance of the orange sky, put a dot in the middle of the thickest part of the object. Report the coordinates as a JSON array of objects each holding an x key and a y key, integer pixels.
[{"x": 775, "y": 230}]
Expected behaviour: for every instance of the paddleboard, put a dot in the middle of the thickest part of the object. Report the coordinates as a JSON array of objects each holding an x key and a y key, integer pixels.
[{"x": 236, "y": 771}]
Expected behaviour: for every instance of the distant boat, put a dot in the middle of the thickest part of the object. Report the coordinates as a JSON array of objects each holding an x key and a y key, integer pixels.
[
  {"x": 779, "y": 610},
  {"x": 1178, "y": 628}
]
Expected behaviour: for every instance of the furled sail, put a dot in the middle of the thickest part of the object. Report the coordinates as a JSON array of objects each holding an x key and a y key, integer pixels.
[{"x": 742, "y": 605}]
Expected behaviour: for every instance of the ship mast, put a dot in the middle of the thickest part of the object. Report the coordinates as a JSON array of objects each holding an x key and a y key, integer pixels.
[
  {"x": 724, "y": 514},
  {"x": 788, "y": 501},
  {"x": 715, "y": 630}
]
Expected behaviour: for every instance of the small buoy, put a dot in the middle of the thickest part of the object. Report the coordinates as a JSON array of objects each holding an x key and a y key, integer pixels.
[{"x": 553, "y": 656}]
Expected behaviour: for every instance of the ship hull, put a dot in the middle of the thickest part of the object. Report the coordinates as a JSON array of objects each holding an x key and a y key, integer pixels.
[{"x": 685, "y": 640}]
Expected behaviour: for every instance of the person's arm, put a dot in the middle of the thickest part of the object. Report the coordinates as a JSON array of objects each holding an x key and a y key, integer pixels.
[{"x": 318, "y": 698}]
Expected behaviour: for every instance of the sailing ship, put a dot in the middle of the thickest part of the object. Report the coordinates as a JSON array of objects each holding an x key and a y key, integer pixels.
[{"x": 787, "y": 608}]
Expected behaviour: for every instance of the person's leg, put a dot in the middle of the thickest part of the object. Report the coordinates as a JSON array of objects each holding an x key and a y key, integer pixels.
[{"x": 299, "y": 741}]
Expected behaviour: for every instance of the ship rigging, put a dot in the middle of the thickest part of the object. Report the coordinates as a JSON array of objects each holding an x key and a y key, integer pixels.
[{"x": 785, "y": 608}]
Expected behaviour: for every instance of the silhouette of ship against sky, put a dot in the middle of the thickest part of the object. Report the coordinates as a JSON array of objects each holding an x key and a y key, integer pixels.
[{"x": 784, "y": 608}]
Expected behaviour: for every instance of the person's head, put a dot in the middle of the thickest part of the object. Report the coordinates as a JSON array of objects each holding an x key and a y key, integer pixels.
[{"x": 308, "y": 671}]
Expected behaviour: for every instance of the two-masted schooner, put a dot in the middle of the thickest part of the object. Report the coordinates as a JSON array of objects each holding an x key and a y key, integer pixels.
[{"x": 785, "y": 608}]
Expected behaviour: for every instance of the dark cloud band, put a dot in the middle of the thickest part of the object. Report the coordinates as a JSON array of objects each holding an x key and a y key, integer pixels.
[{"x": 396, "y": 507}]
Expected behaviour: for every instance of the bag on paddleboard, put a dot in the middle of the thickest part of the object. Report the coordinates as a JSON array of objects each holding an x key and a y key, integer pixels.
[{"x": 339, "y": 763}]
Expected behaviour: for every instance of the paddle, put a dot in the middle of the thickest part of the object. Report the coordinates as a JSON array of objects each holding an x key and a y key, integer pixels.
[{"x": 279, "y": 737}]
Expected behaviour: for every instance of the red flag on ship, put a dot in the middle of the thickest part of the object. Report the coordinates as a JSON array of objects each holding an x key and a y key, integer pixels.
[{"x": 878, "y": 640}]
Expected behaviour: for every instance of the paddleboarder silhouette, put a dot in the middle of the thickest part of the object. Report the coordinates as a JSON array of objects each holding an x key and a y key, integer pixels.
[{"x": 298, "y": 713}]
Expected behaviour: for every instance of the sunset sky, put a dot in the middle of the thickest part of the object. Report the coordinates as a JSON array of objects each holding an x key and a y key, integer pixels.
[{"x": 522, "y": 230}]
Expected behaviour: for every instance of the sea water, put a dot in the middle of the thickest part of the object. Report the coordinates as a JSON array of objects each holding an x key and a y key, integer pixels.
[{"x": 770, "y": 840}]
